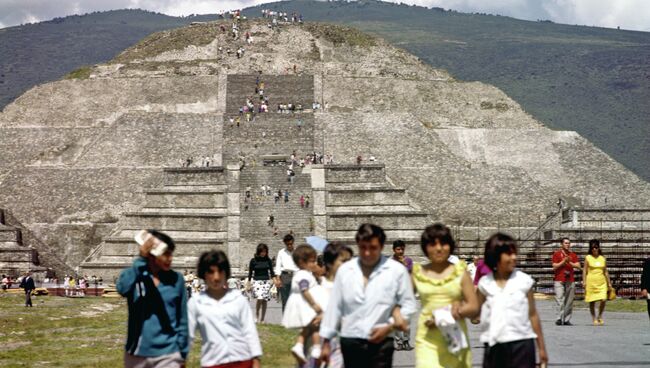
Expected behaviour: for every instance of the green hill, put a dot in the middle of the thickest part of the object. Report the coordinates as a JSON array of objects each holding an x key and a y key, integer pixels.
[
  {"x": 41, "y": 52},
  {"x": 592, "y": 80}
]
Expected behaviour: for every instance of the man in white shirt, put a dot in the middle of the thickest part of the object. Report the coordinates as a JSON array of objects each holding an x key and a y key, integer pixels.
[
  {"x": 365, "y": 292},
  {"x": 285, "y": 267}
]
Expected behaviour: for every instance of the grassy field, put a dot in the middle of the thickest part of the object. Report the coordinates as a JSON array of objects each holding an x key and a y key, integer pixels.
[{"x": 90, "y": 332}]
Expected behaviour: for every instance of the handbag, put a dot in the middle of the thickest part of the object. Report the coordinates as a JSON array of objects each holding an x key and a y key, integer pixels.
[{"x": 611, "y": 294}]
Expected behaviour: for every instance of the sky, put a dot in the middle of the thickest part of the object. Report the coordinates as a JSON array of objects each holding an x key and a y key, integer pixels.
[{"x": 628, "y": 14}]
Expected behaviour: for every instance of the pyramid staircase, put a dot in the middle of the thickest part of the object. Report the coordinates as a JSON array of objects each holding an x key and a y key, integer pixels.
[
  {"x": 190, "y": 206},
  {"x": 15, "y": 257},
  {"x": 349, "y": 195}
]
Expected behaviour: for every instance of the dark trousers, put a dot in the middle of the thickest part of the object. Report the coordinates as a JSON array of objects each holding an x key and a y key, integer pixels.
[
  {"x": 28, "y": 298},
  {"x": 359, "y": 353},
  {"x": 648, "y": 307},
  {"x": 515, "y": 354},
  {"x": 285, "y": 289}
]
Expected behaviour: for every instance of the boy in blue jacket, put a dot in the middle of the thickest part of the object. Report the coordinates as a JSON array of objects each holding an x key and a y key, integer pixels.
[{"x": 157, "y": 328}]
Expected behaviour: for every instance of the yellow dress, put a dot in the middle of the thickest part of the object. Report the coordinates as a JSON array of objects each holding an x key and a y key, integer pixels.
[
  {"x": 430, "y": 346},
  {"x": 596, "y": 281}
]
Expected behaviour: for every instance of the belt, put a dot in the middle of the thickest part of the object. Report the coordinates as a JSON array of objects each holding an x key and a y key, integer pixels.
[{"x": 287, "y": 272}]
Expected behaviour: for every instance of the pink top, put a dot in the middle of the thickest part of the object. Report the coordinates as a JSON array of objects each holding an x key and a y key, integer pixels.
[{"x": 481, "y": 270}]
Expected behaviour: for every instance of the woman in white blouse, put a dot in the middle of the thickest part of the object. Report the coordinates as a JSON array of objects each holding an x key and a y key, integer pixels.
[
  {"x": 224, "y": 318},
  {"x": 509, "y": 321}
]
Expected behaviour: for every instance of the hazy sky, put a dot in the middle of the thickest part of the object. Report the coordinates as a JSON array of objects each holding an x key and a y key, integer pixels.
[{"x": 628, "y": 14}]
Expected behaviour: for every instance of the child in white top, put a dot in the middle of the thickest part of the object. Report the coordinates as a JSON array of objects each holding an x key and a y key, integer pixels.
[
  {"x": 301, "y": 308},
  {"x": 223, "y": 316},
  {"x": 509, "y": 320}
]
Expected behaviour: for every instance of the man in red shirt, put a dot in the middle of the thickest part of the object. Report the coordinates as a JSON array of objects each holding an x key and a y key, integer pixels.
[{"x": 565, "y": 262}]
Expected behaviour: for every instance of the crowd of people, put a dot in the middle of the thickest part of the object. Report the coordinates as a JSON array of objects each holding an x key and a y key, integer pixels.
[
  {"x": 346, "y": 311},
  {"x": 277, "y": 16},
  {"x": 351, "y": 311},
  {"x": 259, "y": 102}
]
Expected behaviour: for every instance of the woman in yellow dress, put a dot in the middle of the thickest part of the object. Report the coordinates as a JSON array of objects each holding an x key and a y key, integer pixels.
[
  {"x": 440, "y": 284},
  {"x": 596, "y": 281}
]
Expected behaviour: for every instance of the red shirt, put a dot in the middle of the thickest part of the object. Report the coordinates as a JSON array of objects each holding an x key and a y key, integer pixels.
[{"x": 567, "y": 270}]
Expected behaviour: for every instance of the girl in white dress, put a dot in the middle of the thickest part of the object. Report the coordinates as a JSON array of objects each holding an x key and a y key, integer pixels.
[
  {"x": 301, "y": 308},
  {"x": 510, "y": 323}
]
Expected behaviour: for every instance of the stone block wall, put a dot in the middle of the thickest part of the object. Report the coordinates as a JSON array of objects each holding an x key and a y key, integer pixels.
[
  {"x": 436, "y": 104},
  {"x": 468, "y": 177},
  {"x": 185, "y": 199},
  {"x": 361, "y": 197},
  {"x": 192, "y": 176},
  {"x": 152, "y": 139},
  {"x": 366, "y": 173},
  {"x": 94, "y": 102}
]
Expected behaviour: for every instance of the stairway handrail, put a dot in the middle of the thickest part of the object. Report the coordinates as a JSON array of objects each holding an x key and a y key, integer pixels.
[{"x": 540, "y": 228}]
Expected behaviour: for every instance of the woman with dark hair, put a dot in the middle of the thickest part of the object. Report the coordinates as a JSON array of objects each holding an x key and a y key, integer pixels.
[
  {"x": 510, "y": 323},
  {"x": 596, "y": 281},
  {"x": 447, "y": 296},
  {"x": 260, "y": 269}
]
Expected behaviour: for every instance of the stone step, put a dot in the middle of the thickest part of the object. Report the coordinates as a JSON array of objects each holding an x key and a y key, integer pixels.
[
  {"x": 176, "y": 221},
  {"x": 361, "y": 197},
  {"x": 180, "y": 211},
  {"x": 391, "y": 234},
  {"x": 364, "y": 173},
  {"x": 219, "y": 188},
  {"x": 9, "y": 234},
  {"x": 10, "y": 245},
  {"x": 194, "y": 176},
  {"x": 16, "y": 255},
  {"x": 353, "y": 209},
  {"x": 361, "y": 186},
  {"x": 185, "y": 199},
  {"x": 603, "y": 235},
  {"x": 184, "y": 247},
  {"x": 181, "y": 189},
  {"x": 174, "y": 234},
  {"x": 407, "y": 220}
]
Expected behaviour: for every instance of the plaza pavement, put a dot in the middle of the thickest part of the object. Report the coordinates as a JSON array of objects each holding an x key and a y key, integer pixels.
[{"x": 624, "y": 341}]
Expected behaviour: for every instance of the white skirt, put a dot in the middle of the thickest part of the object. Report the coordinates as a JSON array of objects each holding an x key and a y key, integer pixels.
[{"x": 297, "y": 312}]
